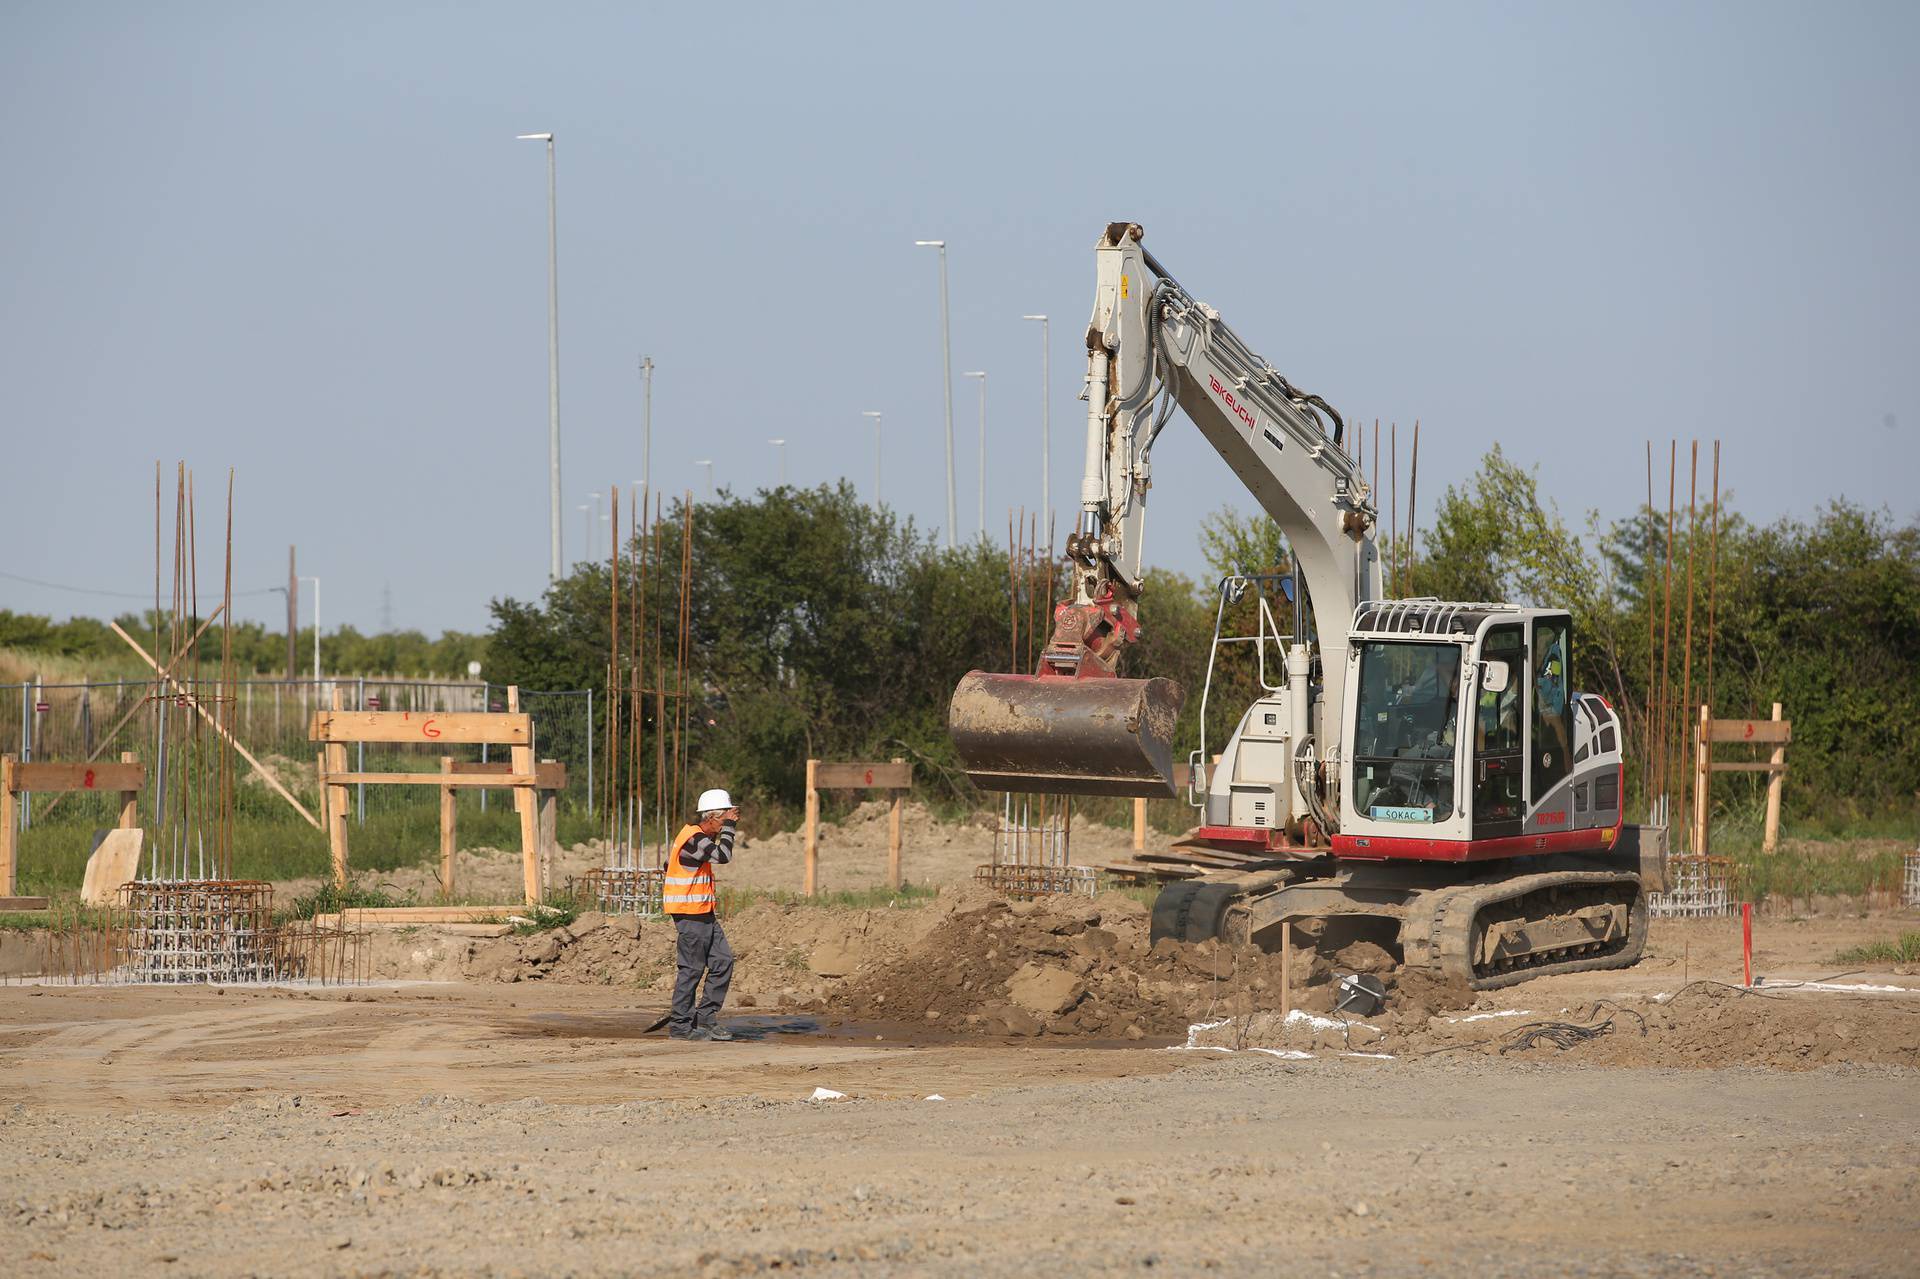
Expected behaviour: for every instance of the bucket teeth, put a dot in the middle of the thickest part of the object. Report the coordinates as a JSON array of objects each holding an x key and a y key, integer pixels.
[{"x": 1057, "y": 735}]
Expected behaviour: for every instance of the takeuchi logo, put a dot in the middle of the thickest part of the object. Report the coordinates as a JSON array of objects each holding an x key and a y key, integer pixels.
[{"x": 1235, "y": 405}]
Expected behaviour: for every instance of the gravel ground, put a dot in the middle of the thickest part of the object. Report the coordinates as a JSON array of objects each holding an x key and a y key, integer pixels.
[{"x": 405, "y": 1133}]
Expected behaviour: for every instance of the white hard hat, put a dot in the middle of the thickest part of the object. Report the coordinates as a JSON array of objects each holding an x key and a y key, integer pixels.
[{"x": 714, "y": 801}]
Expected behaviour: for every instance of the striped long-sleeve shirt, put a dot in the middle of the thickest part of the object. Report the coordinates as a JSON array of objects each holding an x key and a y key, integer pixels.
[{"x": 704, "y": 848}]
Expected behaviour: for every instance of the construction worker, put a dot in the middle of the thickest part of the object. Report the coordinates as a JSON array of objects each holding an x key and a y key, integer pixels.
[{"x": 688, "y": 897}]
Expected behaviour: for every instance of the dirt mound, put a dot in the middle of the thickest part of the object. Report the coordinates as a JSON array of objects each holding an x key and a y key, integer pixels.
[{"x": 1065, "y": 966}]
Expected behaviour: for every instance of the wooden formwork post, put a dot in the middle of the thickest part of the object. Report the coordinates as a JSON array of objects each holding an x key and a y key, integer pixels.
[
  {"x": 549, "y": 829},
  {"x": 812, "y": 842},
  {"x": 9, "y": 827},
  {"x": 1287, "y": 970},
  {"x": 449, "y": 816},
  {"x": 129, "y": 799},
  {"x": 1776, "y": 782},
  {"x": 1139, "y": 825},
  {"x": 893, "y": 834},
  {"x": 1702, "y": 772},
  {"x": 333, "y": 801},
  {"x": 526, "y": 805}
]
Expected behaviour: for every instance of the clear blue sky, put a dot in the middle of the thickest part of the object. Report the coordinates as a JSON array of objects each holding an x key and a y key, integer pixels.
[{"x": 302, "y": 241}]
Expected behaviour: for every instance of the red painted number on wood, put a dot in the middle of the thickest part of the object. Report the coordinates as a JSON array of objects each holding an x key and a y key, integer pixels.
[
  {"x": 869, "y": 777},
  {"x": 87, "y": 781},
  {"x": 1749, "y": 732},
  {"x": 428, "y": 730}
]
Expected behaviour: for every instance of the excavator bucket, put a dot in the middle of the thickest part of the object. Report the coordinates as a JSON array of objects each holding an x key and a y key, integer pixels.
[{"x": 1057, "y": 735}]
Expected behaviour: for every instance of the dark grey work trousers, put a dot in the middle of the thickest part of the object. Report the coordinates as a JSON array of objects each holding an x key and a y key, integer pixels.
[{"x": 699, "y": 947}]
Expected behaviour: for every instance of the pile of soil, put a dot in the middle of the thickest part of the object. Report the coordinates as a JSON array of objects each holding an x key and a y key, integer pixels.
[{"x": 1070, "y": 966}]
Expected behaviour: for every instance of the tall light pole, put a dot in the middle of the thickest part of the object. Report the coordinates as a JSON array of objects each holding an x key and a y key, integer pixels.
[
  {"x": 586, "y": 527},
  {"x": 981, "y": 374},
  {"x": 646, "y": 466},
  {"x": 316, "y": 626},
  {"x": 875, "y": 415},
  {"x": 782, "y": 446},
  {"x": 946, "y": 363},
  {"x": 1046, "y": 444},
  {"x": 708, "y": 463},
  {"x": 553, "y": 360}
]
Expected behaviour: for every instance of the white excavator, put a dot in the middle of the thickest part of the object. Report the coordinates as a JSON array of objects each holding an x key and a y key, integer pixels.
[{"x": 1418, "y": 770}]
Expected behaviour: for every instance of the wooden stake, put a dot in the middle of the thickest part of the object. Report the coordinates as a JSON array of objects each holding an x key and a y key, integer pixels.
[
  {"x": 9, "y": 827},
  {"x": 1701, "y": 773},
  {"x": 893, "y": 834},
  {"x": 129, "y": 799},
  {"x": 1776, "y": 782},
  {"x": 448, "y": 816},
  {"x": 1286, "y": 970},
  {"x": 1139, "y": 825},
  {"x": 813, "y": 826}
]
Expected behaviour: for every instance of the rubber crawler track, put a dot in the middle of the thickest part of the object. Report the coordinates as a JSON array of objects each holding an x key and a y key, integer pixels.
[{"x": 1451, "y": 944}]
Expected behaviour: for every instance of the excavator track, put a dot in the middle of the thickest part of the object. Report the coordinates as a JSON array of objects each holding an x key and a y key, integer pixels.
[{"x": 1512, "y": 930}]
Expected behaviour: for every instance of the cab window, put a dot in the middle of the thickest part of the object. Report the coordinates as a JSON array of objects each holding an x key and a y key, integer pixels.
[{"x": 1552, "y": 745}]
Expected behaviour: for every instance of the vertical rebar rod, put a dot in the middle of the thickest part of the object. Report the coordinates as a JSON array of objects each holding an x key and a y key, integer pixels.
[{"x": 1689, "y": 782}]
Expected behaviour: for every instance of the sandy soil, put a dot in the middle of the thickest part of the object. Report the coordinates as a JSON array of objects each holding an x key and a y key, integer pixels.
[{"x": 515, "y": 1120}]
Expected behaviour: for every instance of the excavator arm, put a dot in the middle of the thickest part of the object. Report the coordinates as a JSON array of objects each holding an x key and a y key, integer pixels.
[{"x": 1074, "y": 726}]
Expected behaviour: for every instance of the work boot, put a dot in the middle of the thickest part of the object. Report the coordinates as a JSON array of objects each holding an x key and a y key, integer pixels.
[
  {"x": 719, "y": 1033},
  {"x": 699, "y": 1033},
  {"x": 691, "y": 1032}
]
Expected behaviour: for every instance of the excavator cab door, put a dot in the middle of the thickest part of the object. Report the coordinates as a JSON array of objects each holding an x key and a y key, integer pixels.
[{"x": 1499, "y": 734}]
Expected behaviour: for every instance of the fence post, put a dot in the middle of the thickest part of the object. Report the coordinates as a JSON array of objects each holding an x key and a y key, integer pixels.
[
  {"x": 1139, "y": 825},
  {"x": 9, "y": 823},
  {"x": 589, "y": 752},
  {"x": 1776, "y": 782}
]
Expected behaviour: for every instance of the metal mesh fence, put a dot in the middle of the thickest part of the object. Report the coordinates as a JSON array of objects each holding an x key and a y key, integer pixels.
[
  {"x": 73, "y": 723},
  {"x": 1910, "y": 886}
]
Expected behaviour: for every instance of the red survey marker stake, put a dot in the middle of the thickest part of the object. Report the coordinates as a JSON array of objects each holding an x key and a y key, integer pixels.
[{"x": 1746, "y": 940}]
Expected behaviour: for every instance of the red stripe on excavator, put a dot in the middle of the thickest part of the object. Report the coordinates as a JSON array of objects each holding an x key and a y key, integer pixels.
[{"x": 1405, "y": 848}]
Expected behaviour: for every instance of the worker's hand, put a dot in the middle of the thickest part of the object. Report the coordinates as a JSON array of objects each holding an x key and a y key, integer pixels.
[{"x": 731, "y": 815}]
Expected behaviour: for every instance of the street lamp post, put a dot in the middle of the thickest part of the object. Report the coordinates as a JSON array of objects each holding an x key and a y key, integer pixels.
[
  {"x": 782, "y": 446},
  {"x": 982, "y": 375},
  {"x": 875, "y": 415},
  {"x": 708, "y": 463},
  {"x": 946, "y": 364},
  {"x": 646, "y": 466},
  {"x": 316, "y": 628},
  {"x": 553, "y": 360},
  {"x": 1046, "y": 444},
  {"x": 586, "y": 525}
]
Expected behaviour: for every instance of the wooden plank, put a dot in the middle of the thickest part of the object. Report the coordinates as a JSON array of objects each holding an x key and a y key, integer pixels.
[
  {"x": 1750, "y": 730},
  {"x": 893, "y": 776},
  {"x": 1752, "y": 766},
  {"x": 114, "y": 861},
  {"x": 266, "y": 774},
  {"x": 462, "y": 780},
  {"x": 373, "y": 916},
  {"x": 551, "y": 772},
  {"x": 1775, "y": 785},
  {"x": 23, "y": 903},
  {"x": 446, "y": 727},
  {"x": 68, "y": 777}
]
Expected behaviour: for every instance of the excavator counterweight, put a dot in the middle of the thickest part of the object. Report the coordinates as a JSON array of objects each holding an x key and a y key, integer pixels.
[{"x": 1057, "y": 735}]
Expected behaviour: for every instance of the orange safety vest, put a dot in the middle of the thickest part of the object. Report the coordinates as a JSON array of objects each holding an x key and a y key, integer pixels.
[{"x": 687, "y": 890}]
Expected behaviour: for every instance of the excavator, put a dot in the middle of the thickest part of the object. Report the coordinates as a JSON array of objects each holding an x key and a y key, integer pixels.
[{"x": 1415, "y": 770}]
